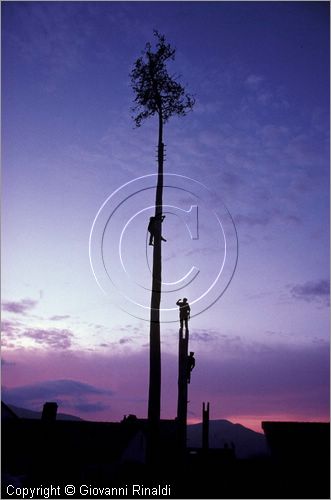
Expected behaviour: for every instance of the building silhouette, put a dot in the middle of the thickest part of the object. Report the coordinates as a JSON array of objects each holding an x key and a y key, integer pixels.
[{"x": 60, "y": 452}]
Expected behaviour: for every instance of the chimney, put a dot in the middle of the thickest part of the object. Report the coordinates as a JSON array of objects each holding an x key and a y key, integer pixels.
[
  {"x": 205, "y": 426},
  {"x": 49, "y": 412}
]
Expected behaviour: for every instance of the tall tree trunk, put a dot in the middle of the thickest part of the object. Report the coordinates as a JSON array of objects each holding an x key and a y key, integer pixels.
[{"x": 154, "y": 400}]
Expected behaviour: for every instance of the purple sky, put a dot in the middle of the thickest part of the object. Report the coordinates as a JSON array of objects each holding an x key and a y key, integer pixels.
[{"x": 258, "y": 139}]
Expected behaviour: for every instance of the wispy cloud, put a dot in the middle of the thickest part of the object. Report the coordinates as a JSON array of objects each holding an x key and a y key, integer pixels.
[
  {"x": 254, "y": 80},
  {"x": 90, "y": 407},
  {"x": 253, "y": 220},
  {"x": 59, "y": 317},
  {"x": 312, "y": 291},
  {"x": 72, "y": 393},
  {"x": 55, "y": 338},
  {"x": 19, "y": 307},
  {"x": 226, "y": 343},
  {"x": 54, "y": 388},
  {"x": 9, "y": 328},
  {"x": 9, "y": 332},
  {"x": 266, "y": 218},
  {"x": 125, "y": 340},
  {"x": 203, "y": 336}
]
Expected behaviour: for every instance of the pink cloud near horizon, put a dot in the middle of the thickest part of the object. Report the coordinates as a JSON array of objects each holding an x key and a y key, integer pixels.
[{"x": 279, "y": 383}]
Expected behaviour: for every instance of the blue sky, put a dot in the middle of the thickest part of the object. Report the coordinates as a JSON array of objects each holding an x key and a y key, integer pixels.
[{"x": 258, "y": 138}]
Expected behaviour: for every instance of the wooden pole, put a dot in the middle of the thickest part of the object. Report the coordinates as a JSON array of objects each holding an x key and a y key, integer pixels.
[{"x": 182, "y": 389}]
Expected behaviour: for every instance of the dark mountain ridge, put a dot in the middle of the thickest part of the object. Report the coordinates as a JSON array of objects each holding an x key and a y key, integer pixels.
[
  {"x": 25, "y": 413},
  {"x": 222, "y": 433}
]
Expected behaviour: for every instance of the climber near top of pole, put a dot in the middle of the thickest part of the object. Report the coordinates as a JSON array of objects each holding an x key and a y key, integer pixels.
[{"x": 152, "y": 226}]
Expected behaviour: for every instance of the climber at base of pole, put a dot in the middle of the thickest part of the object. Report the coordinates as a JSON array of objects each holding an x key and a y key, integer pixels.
[{"x": 184, "y": 313}]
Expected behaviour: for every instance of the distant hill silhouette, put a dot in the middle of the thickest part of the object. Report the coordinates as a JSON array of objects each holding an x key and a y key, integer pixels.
[
  {"x": 25, "y": 413},
  {"x": 247, "y": 443}
]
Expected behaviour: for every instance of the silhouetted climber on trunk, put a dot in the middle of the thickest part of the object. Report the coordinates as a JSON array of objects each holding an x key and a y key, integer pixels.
[
  {"x": 184, "y": 312},
  {"x": 190, "y": 366},
  {"x": 152, "y": 228}
]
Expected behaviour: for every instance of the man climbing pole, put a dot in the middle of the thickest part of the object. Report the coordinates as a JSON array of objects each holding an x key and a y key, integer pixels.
[
  {"x": 190, "y": 365},
  {"x": 184, "y": 312},
  {"x": 153, "y": 221}
]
